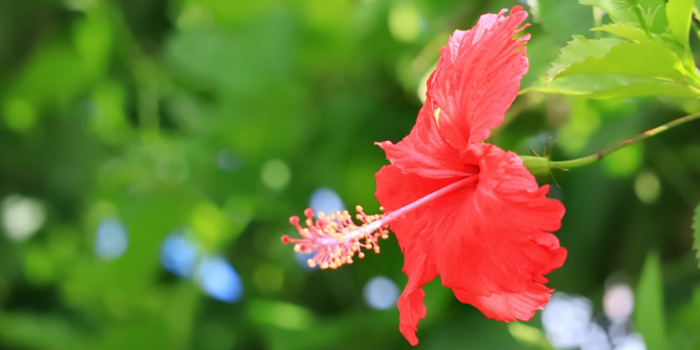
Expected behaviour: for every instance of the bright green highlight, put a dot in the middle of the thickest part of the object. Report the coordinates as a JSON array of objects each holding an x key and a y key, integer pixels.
[
  {"x": 647, "y": 187},
  {"x": 276, "y": 174},
  {"x": 624, "y": 162},
  {"x": 405, "y": 22},
  {"x": 19, "y": 114},
  {"x": 649, "y": 308}
]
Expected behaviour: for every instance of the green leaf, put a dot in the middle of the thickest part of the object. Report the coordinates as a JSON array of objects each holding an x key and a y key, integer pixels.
[
  {"x": 649, "y": 309},
  {"x": 651, "y": 12},
  {"x": 578, "y": 50},
  {"x": 655, "y": 15},
  {"x": 626, "y": 30},
  {"x": 649, "y": 58},
  {"x": 601, "y": 86},
  {"x": 619, "y": 11},
  {"x": 679, "y": 13},
  {"x": 696, "y": 233}
]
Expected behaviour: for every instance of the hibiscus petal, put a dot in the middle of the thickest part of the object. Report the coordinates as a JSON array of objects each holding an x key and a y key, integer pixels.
[
  {"x": 424, "y": 151},
  {"x": 491, "y": 244},
  {"x": 478, "y": 77},
  {"x": 394, "y": 190},
  {"x": 509, "y": 306},
  {"x": 411, "y": 307}
]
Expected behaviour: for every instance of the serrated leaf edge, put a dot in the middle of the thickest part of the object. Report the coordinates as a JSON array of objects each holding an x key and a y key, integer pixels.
[{"x": 549, "y": 76}]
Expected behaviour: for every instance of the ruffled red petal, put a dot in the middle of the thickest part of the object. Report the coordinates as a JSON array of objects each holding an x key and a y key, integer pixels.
[
  {"x": 425, "y": 152},
  {"x": 411, "y": 307},
  {"x": 489, "y": 243},
  {"x": 478, "y": 77},
  {"x": 496, "y": 240},
  {"x": 394, "y": 190}
]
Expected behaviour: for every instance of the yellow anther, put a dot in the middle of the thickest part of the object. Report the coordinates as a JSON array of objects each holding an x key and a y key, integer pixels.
[
  {"x": 297, "y": 248},
  {"x": 311, "y": 263},
  {"x": 361, "y": 255},
  {"x": 324, "y": 265}
]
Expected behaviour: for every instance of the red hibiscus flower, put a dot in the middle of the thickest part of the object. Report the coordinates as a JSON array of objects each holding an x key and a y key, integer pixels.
[
  {"x": 487, "y": 236},
  {"x": 462, "y": 209}
]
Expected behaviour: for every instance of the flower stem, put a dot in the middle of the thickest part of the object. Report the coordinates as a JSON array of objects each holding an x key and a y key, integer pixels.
[{"x": 590, "y": 159}]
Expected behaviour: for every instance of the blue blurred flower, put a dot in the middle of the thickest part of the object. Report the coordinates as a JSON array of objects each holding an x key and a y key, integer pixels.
[
  {"x": 219, "y": 279},
  {"x": 179, "y": 253},
  {"x": 112, "y": 239}
]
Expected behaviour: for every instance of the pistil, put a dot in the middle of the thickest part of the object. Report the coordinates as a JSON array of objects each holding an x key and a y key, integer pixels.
[{"x": 336, "y": 238}]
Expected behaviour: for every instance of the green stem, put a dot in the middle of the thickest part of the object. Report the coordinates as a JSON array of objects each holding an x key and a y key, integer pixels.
[
  {"x": 590, "y": 159},
  {"x": 597, "y": 20},
  {"x": 640, "y": 17}
]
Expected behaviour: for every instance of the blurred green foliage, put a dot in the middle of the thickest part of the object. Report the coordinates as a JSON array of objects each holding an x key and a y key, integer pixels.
[{"x": 224, "y": 116}]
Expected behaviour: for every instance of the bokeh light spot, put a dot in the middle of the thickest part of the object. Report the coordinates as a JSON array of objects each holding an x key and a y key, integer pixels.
[
  {"x": 381, "y": 293},
  {"x": 326, "y": 200},
  {"x": 647, "y": 187},
  {"x": 618, "y": 302},
  {"x": 566, "y": 320},
  {"x": 633, "y": 341},
  {"x": 209, "y": 223},
  {"x": 179, "y": 253},
  {"x": 19, "y": 115},
  {"x": 229, "y": 161},
  {"x": 302, "y": 259},
  {"x": 22, "y": 217},
  {"x": 526, "y": 334},
  {"x": 276, "y": 174},
  {"x": 625, "y": 161},
  {"x": 595, "y": 339},
  {"x": 219, "y": 279},
  {"x": 405, "y": 22},
  {"x": 112, "y": 239}
]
